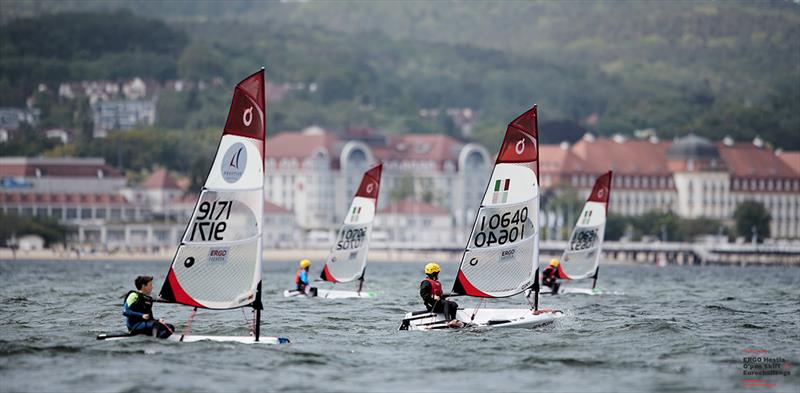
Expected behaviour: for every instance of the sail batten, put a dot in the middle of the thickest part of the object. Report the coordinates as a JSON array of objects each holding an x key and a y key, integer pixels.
[
  {"x": 582, "y": 256},
  {"x": 347, "y": 259},
  {"x": 500, "y": 258},
  {"x": 218, "y": 263}
]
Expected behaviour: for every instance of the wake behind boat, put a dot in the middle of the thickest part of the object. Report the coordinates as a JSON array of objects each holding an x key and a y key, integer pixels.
[
  {"x": 218, "y": 263},
  {"x": 347, "y": 260},
  {"x": 501, "y": 258}
]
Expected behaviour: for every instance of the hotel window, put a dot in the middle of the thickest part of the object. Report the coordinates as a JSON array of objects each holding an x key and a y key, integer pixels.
[
  {"x": 41, "y": 211},
  {"x": 56, "y": 213},
  {"x": 27, "y": 211},
  {"x": 130, "y": 214},
  {"x": 72, "y": 213},
  {"x": 100, "y": 213},
  {"x": 86, "y": 213}
]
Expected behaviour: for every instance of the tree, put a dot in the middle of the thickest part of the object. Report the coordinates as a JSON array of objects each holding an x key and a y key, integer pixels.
[{"x": 752, "y": 218}]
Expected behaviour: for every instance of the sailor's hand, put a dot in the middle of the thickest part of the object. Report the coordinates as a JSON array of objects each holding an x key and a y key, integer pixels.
[
  {"x": 436, "y": 297},
  {"x": 146, "y": 316},
  {"x": 161, "y": 321}
]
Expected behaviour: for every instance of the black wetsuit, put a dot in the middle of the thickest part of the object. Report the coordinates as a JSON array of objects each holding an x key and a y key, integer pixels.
[{"x": 446, "y": 307}]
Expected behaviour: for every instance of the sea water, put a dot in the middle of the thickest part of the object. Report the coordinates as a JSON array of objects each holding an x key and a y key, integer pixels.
[{"x": 675, "y": 329}]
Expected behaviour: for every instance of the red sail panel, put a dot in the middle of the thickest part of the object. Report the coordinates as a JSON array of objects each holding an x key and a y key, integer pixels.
[
  {"x": 601, "y": 191},
  {"x": 327, "y": 276},
  {"x": 520, "y": 143},
  {"x": 246, "y": 116},
  {"x": 370, "y": 183},
  {"x": 173, "y": 292},
  {"x": 462, "y": 286}
]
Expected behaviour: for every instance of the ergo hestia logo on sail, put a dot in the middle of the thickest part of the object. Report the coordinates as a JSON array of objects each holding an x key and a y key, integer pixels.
[{"x": 234, "y": 162}]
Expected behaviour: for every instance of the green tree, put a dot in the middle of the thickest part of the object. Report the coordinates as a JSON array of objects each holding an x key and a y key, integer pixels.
[{"x": 752, "y": 218}]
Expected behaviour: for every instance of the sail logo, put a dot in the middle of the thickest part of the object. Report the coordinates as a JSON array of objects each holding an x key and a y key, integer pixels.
[
  {"x": 355, "y": 213},
  {"x": 218, "y": 255},
  {"x": 247, "y": 116},
  {"x": 601, "y": 192},
  {"x": 519, "y": 148},
  {"x": 370, "y": 187},
  {"x": 234, "y": 162},
  {"x": 508, "y": 254},
  {"x": 500, "y": 194}
]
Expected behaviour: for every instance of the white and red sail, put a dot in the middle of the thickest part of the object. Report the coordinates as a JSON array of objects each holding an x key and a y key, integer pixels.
[
  {"x": 348, "y": 257},
  {"x": 500, "y": 258},
  {"x": 582, "y": 256},
  {"x": 218, "y": 263}
]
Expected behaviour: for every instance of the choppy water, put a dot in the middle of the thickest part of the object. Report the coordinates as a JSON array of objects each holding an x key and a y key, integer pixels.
[{"x": 667, "y": 329}]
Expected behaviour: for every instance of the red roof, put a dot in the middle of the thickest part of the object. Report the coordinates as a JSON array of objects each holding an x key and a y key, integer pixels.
[
  {"x": 160, "y": 179},
  {"x": 61, "y": 198},
  {"x": 57, "y": 168},
  {"x": 419, "y": 147},
  {"x": 413, "y": 207},
  {"x": 748, "y": 160},
  {"x": 631, "y": 157},
  {"x": 792, "y": 160},
  {"x": 272, "y": 208},
  {"x": 298, "y": 145}
]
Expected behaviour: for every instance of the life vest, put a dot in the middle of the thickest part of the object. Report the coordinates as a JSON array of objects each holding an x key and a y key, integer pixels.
[
  {"x": 436, "y": 286},
  {"x": 143, "y": 304},
  {"x": 297, "y": 279}
]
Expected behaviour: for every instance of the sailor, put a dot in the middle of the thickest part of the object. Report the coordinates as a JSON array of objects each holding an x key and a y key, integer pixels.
[
  {"x": 138, "y": 311},
  {"x": 431, "y": 291},
  {"x": 550, "y": 276},
  {"x": 301, "y": 279}
]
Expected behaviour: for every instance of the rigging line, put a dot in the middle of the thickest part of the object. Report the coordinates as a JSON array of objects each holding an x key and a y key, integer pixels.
[
  {"x": 249, "y": 322},
  {"x": 480, "y": 302},
  {"x": 189, "y": 323}
]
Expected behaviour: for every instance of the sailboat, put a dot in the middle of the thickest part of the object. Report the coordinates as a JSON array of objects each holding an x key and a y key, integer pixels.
[
  {"x": 501, "y": 257},
  {"x": 347, "y": 260},
  {"x": 581, "y": 259},
  {"x": 218, "y": 264}
]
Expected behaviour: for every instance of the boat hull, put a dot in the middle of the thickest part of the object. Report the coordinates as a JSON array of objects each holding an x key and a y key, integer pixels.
[
  {"x": 332, "y": 294},
  {"x": 573, "y": 291},
  {"x": 520, "y": 318},
  {"x": 195, "y": 338}
]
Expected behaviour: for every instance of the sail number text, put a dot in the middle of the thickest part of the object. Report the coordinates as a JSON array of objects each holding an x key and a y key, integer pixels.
[
  {"x": 499, "y": 229},
  {"x": 210, "y": 225},
  {"x": 351, "y": 238}
]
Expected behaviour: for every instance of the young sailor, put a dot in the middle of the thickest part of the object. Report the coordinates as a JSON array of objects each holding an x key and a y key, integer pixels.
[
  {"x": 550, "y": 276},
  {"x": 138, "y": 311},
  {"x": 430, "y": 289},
  {"x": 301, "y": 279}
]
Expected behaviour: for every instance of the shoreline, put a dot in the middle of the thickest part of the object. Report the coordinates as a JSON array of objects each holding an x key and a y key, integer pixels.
[{"x": 269, "y": 256}]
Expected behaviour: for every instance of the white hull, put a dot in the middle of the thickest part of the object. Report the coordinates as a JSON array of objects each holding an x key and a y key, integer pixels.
[
  {"x": 521, "y": 318},
  {"x": 332, "y": 294},
  {"x": 194, "y": 338},
  {"x": 571, "y": 290}
]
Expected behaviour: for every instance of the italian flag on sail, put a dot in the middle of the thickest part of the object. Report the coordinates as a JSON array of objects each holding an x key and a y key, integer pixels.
[{"x": 500, "y": 194}]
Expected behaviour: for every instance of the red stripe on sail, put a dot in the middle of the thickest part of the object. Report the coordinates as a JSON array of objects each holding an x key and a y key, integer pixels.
[
  {"x": 180, "y": 295},
  {"x": 246, "y": 116},
  {"x": 371, "y": 183},
  {"x": 469, "y": 289},
  {"x": 601, "y": 190},
  {"x": 521, "y": 140},
  {"x": 327, "y": 276}
]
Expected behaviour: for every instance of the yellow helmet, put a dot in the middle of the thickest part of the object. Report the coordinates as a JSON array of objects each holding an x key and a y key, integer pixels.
[
  {"x": 432, "y": 267},
  {"x": 553, "y": 262},
  {"x": 305, "y": 263}
]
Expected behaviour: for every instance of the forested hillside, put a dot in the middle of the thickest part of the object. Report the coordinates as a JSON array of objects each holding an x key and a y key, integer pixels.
[{"x": 706, "y": 67}]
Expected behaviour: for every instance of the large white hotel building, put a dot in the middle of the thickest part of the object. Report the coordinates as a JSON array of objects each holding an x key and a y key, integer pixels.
[{"x": 430, "y": 190}]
